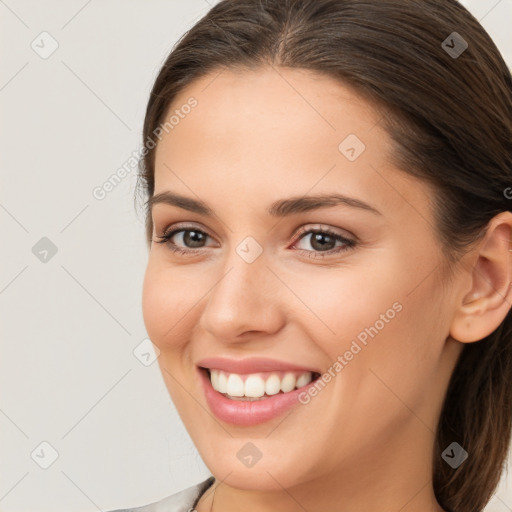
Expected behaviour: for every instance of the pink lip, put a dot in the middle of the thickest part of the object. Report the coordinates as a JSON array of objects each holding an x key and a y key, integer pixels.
[
  {"x": 247, "y": 413},
  {"x": 250, "y": 365}
]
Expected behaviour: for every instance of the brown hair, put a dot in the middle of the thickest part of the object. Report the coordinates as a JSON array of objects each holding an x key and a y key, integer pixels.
[{"x": 450, "y": 120}]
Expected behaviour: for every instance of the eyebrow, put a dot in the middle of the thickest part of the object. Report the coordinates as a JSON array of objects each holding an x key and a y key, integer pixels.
[{"x": 280, "y": 208}]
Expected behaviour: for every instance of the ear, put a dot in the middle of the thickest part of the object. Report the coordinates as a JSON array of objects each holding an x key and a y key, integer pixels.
[{"x": 489, "y": 299}]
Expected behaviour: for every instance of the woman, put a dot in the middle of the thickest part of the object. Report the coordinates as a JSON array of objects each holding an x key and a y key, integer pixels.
[{"x": 328, "y": 187}]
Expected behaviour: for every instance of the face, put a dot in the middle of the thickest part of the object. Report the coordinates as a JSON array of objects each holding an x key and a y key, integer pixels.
[{"x": 349, "y": 290}]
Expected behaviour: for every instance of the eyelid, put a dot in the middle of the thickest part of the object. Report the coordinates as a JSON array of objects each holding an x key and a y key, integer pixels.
[
  {"x": 302, "y": 230},
  {"x": 184, "y": 226},
  {"x": 350, "y": 241},
  {"x": 324, "y": 227}
]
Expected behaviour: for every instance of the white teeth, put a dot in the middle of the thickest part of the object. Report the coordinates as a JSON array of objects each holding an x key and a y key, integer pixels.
[
  {"x": 255, "y": 386},
  {"x": 288, "y": 383},
  {"x": 235, "y": 386},
  {"x": 273, "y": 385},
  {"x": 222, "y": 382},
  {"x": 304, "y": 379},
  {"x": 214, "y": 376}
]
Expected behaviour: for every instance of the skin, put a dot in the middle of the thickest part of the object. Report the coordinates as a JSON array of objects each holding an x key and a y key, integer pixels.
[{"x": 365, "y": 441}]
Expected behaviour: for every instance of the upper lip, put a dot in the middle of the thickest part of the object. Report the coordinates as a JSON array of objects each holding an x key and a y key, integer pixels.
[{"x": 250, "y": 365}]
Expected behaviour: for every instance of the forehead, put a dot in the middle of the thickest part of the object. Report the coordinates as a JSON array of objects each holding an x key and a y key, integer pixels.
[
  {"x": 255, "y": 106},
  {"x": 275, "y": 132}
]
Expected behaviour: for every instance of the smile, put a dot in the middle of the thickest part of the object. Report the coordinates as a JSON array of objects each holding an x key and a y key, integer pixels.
[
  {"x": 252, "y": 391},
  {"x": 256, "y": 386}
]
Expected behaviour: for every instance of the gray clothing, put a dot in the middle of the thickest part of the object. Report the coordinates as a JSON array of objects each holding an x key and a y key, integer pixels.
[{"x": 182, "y": 501}]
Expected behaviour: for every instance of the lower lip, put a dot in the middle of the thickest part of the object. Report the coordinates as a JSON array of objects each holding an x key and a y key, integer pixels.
[{"x": 246, "y": 413}]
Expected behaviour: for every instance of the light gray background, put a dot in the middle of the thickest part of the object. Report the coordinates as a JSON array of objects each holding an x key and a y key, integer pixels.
[{"x": 68, "y": 375}]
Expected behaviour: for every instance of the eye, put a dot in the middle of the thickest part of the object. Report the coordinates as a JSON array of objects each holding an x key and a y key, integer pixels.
[
  {"x": 190, "y": 240},
  {"x": 191, "y": 237},
  {"x": 323, "y": 241}
]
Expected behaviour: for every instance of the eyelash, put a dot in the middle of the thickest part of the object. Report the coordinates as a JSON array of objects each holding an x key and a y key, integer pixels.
[{"x": 349, "y": 244}]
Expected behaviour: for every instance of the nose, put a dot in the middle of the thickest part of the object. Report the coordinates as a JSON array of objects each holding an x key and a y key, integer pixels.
[{"x": 245, "y": 302}]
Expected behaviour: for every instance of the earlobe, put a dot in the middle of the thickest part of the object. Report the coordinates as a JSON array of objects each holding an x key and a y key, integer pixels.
[{"x": 489, "y": 299}]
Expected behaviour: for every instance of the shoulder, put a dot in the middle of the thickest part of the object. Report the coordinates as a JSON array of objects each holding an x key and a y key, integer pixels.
[{"x": 182, "y": 501}]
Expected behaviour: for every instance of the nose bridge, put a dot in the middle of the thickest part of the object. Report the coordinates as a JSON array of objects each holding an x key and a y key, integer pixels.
[{"x": 241, "y": 299}]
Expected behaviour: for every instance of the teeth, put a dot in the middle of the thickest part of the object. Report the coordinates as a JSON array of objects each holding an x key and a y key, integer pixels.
[
  {"x": 254, "y": 386},
  {"x": 258, "y": 385},
  {"x": 288, "y": 383},
  {"x": 304, "y": 379},
  {"x": 273, "y": 385},
  {"x": 214, "y": 376},
  {"x": 235, "y": 385},
  {"x": 222, "y": 382}
]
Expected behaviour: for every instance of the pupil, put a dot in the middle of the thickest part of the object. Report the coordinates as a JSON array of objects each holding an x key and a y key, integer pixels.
[
  {"x": 192, "y": 237},
  {"x": 317, "y": 238}
]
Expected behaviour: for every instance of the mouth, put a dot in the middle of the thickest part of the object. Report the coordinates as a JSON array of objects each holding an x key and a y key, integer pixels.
[
  {"x": 247, "y": 392},
  {"x": 258, "y": 386}
]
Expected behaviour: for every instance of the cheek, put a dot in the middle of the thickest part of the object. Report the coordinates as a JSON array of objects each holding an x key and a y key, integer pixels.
[
  {"x": 380, "y": 320},
  {"x": 351, "y": 304},
  {"x": 401, "y": 336},
  {"x": 167, "y": 306}
]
